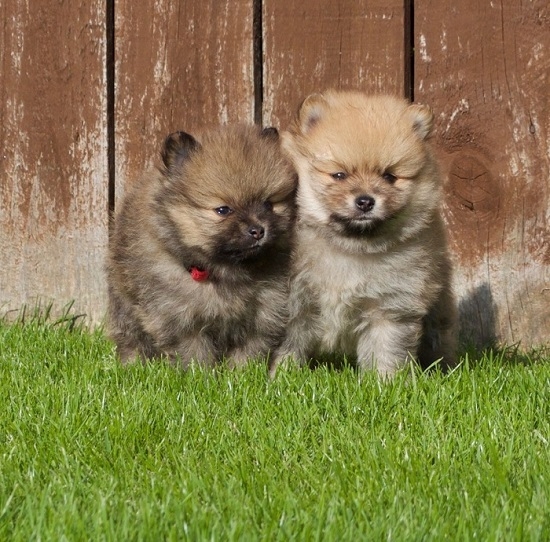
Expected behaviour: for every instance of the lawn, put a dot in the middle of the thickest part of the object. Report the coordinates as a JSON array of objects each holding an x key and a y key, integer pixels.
[{"x": 93, "y": 451}]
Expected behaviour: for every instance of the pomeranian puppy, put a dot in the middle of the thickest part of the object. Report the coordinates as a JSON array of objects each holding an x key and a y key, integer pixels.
[
  {"x": 371, "y": 271},
  {"x": 199, "y": 255}
]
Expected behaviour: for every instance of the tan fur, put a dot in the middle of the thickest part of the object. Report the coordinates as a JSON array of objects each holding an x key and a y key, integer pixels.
[
  {"x": 168, "y": 223},
  {"x": 371, "y": 271}
]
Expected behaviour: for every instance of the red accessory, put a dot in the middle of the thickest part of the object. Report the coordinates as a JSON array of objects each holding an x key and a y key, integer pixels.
[{"x": 198, "y": 274}]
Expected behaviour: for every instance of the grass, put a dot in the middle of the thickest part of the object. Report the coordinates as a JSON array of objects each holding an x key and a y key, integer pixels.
[{"x": 92, "y": 451}]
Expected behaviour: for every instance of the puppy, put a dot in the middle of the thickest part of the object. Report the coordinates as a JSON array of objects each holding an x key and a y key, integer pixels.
[
  {"x": 199, "y": 255},
  {"x": 371, "y": 271}
]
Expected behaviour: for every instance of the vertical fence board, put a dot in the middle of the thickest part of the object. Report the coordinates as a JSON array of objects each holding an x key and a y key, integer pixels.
[
  {"x": 484, "y": 67},
  {"x": 310, "y": 45},
  {"x": 53, "y": 168},
  {"x": 179, "y": 65}
]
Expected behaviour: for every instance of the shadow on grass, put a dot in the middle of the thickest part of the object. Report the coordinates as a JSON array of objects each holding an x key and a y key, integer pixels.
[
  {"x": 334, "y": 362},
  {"x": 342, "y": 363}
]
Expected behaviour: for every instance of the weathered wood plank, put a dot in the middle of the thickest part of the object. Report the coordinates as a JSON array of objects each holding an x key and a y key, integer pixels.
[
  {"x": 310, "y": 45},
  {"x": 484, "y": 67},
  {"x": 179, "y": 65},
  {"x": 53, "y": 167}
]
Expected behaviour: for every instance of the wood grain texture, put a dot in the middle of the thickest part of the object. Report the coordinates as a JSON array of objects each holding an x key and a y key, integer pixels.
[
  {"x": 53, "y": 169},
  {"x": 179, "y": 66},
  {"x": 310, "y": 45},
  {"x": 484, "y": 67}
]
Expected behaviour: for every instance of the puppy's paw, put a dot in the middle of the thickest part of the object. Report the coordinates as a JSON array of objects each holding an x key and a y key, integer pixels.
[{"x": 282, "y": 361}]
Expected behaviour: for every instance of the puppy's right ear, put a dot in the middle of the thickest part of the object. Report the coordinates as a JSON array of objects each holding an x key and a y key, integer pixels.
[
  {"x": 311, "y": 112},
  {"x": 177, "y": 148},
  {"x": 422, "y": 118},
  {"x": 270, "y": 133}
]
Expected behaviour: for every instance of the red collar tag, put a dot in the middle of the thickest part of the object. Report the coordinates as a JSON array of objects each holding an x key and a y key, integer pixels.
[{"x": 198, "y": 274}]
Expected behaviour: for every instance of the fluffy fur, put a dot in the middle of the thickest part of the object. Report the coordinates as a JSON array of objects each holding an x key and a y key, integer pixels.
[
  {"x": 222, "y": 207},
  {"x": 371, "y": 271}
]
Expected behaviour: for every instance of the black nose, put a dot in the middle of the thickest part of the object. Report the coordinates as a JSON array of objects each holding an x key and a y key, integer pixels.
[
  {"x": 256, "y": 231},
  {"x": 365, "y": 203}
]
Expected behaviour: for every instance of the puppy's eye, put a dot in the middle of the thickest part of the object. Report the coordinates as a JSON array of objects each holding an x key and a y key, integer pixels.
[
  {"x": 389, "y": 177},
  {"x": 224, "y": 210},
  {"x": 339, "y": 175},
  {"x": 268, "y": 206}
]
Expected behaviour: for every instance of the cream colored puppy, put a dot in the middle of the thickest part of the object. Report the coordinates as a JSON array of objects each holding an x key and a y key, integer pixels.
[{"x": 371, "y": 271}]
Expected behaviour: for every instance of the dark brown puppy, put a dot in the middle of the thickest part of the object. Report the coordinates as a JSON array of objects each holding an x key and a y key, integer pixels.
[{"x": 199, "y": 254}]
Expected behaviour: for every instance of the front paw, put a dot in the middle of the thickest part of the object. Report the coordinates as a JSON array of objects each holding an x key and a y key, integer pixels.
[{"x": 283, "y": 361}]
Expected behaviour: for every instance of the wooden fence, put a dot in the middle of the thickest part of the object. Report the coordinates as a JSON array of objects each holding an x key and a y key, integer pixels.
[{"x": 89, "y": 89}]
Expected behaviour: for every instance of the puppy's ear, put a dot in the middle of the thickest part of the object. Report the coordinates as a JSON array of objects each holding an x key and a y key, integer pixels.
[
  {"x": 271, "y": 133},
  {"x": 311, "y": 112},
  {"x": 177, "y": 148},
  {"x": 422, "y": 119}
]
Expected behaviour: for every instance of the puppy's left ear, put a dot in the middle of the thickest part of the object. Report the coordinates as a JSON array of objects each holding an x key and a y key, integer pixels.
[
  {"x": 177, "y": 148},
  {"x": 271, "y": 133},
  {"x": 311, "y": 112},
  {"x": 422, "y": 119}
]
